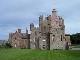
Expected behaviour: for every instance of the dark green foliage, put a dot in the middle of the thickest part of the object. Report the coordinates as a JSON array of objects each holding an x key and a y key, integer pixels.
[
  {"x": 0, "y": 47},
  {"x": 8, "y": 45},
  {"x": 75, "y": 38}
]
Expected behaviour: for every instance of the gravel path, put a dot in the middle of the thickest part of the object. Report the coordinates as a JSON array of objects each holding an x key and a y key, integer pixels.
[{"x": 75, "y": 49}]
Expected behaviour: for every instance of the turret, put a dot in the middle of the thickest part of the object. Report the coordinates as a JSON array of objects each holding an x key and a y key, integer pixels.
[
  {"x": 31, "y": 26},
  {"x": 41, "y": 17},
  {"x": 40, "y": 20},
  {"x": 40, "y": 23},
  {"x": 26, "y": 30},
  {"x": 54, "y": 12}
]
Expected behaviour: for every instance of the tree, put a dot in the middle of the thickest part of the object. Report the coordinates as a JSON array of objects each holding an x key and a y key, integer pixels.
[
  {"x": 8, "y": 45},
  {"x": 75, "y": 38}
]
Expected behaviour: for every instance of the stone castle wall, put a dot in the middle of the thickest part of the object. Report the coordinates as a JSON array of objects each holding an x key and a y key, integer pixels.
[{"x": 49, "y": 35}]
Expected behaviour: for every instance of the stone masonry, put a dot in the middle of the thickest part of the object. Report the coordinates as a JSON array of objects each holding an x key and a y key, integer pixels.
[
  {"x": 19, "y": 40},
  {"x": 49, "y": 35}
]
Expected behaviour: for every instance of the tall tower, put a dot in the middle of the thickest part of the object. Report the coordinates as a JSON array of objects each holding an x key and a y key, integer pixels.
[
  {"x": 41, "y": 24},
  {"x": 57, "y": 31},
  {"x": 50, "y": 34},
  {"x": 26, "y": 31},
  {"x": 31, "y": 26}
]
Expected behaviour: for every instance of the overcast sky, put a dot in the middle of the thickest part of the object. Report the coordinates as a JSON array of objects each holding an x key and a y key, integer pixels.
[{"x": 16, "y": 14}]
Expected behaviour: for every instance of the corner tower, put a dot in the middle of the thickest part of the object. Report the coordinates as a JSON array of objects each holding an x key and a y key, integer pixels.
[{"x": 57, "y": 35}]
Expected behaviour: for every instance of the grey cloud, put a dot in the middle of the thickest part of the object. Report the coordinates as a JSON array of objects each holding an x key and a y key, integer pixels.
[{"x": 20, "y": 13}]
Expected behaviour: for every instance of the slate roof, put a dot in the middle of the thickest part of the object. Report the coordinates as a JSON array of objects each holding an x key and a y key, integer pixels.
[{"x": 23, "y": 35}]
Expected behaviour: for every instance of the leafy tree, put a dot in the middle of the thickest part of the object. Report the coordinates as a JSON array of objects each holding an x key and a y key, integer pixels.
[
  {"x": 8, "y": 45},
  {"x": 75, "y": 38}
]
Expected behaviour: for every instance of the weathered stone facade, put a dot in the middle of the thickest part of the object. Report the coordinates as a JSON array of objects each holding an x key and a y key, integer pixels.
[
  {"x": 19, "y": 40},
  {"x": 50, "y": 34}
]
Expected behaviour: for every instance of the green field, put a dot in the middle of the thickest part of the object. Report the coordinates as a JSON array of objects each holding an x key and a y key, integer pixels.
[{"x": 25, "y": 54}]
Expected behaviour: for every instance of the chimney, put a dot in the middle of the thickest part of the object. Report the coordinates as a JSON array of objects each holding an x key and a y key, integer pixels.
[
  {"x": 19, "y": 30},
  {"x": 54, "y": 12}
]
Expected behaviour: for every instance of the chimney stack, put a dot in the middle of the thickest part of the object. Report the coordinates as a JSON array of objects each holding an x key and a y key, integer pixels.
[
  {"x": 54, "y": 12},
  {"x": 19, "y": 30}
]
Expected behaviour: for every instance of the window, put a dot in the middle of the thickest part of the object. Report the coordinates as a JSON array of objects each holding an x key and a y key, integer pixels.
[
  {"x": 15, "y": 38},
  {"x": 30, "y": 40},
  {"x": 39, "y": 32},
  {"x": 61, "y": 37},
  {"x": 53, "y": 37},
  {"x": 35, "y": 43},
  {"x": 15, "y": 45},
  {"x": 34, "y": 39},
  {"x": 48, "y": 24},
  {"x": 44, "y": 40},
  {"x": 43, "y": 45}
]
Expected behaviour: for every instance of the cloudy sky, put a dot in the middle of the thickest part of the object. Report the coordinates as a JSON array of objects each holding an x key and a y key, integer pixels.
[{"x": 16, "y": 14}]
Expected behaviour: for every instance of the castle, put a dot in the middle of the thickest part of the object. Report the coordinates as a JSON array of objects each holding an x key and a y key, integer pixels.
[
  {"x": 49, "y": 35},
  {"x": 19, "y": 39}
]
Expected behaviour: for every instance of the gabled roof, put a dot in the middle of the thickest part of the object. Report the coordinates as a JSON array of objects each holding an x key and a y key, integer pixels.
[{"x": 22, "y": 35}]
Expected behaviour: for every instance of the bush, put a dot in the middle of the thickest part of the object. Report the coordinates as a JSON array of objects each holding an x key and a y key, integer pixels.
[{"x": 8, "y": 45}]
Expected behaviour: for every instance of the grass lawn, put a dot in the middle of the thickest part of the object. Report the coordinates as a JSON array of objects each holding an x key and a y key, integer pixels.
[{"x": 25, "y": 54}]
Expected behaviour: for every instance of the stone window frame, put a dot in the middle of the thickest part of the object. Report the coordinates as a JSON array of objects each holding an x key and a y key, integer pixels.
[{"x": 61, "y": 37}]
